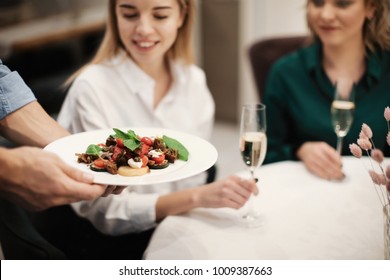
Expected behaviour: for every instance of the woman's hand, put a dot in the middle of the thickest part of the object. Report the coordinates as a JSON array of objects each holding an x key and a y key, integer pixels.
[
  {"x": 321, "y": 159},
  {"x": 231, "y": 192}
]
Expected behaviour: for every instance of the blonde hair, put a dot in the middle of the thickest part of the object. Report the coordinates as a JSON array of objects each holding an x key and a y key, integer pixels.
[
  {"x": 111, "y": 44},
  {"x": 376, "y": 30}
]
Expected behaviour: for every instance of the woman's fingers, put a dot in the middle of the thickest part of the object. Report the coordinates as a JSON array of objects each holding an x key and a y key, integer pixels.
[
  {"x": 321, "y": 159},
  {"x": 238, "y": 191}
]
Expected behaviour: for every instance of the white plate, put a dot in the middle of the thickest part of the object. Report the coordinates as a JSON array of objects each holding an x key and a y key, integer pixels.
[{"x": 202, "y": 155}]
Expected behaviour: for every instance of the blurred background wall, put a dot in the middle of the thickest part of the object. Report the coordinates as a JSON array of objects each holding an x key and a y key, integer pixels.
[
  {"x": 225, "y": 29},
  {"x": 229, "y": 29},
  {"x": 264, "y": 19},
  {"x": 47, "y": 40},
  {"x": 15, "y": 11}
]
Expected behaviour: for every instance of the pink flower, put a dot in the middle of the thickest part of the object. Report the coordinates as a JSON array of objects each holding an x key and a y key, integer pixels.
[
  {"x": 377, "y": 155},
  {"x": 378, "y": 179},
  {"x": 387, "y": 113},
  {"x": 355, "y": 150},
  {"x": 388, "y": 138},
  {"x": 362, "y": 135},
  {"x": 367, "y": 130},
  {"x": 382, "y": 179},
  {"x": 365, "y": 144}
]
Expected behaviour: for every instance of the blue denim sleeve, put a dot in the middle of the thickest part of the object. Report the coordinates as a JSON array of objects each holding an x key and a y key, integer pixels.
[{"x": 14, "y": 93}]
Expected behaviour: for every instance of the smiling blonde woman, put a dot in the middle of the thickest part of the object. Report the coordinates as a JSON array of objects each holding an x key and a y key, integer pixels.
[{"x": 143, "y": 76}]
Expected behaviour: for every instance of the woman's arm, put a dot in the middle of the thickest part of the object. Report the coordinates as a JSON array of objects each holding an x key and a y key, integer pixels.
[
  {"x": 232, "y": 192},
  {"x": 135, "y": 212},
  {"x": 278, "y": 121}
]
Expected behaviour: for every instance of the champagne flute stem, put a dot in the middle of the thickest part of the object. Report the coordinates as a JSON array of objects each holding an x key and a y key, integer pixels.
[
  {"x": 252, "y": 173},
  {"x": 339, "y": 150},
  {"x": 251, "y": 215},
  {"x": 339, "y": 144}
]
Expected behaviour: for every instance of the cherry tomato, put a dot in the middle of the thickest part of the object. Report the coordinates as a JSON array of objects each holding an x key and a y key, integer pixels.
[
  {"x": 117, "y": 152},
  {"x": 99, "y": 163},
  {"x": 148, "y": 141},
  {"x": 145, "y": 161},
  {"x": 159, "y": 159},
  {"x": 119, "y": 142},
  {"x": 144, "y": 149}
]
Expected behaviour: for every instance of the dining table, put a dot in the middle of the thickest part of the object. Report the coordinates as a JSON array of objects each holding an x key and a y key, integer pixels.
[{"x": 303, "y": 216}]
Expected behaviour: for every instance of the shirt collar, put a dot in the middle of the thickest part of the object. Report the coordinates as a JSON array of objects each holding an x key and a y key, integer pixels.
[
  {"x": 137, "y": 79},
  {"x": 374, "y": 67},
  {"x": 178, "y": 73},
  {"x": 313, "y": 61},
  {"x": 312, "y": 56},
  {"x": 134, "y": 77}
]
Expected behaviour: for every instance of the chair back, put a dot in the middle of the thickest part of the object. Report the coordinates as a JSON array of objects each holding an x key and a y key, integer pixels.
[{"x": 263, "y": 53}]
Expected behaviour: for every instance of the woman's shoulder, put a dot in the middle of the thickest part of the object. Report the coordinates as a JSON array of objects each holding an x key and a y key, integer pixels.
[
  {"x": 105, "y": 70},
  {"x": 96, "y": 72},
  {"x": 190, "y": 68},
  {"x": 297, "y": 58},
  {"x": 295, "y": 65},
  {"x": 93, "y": 79},
  {"x": 189, "y": 71}
]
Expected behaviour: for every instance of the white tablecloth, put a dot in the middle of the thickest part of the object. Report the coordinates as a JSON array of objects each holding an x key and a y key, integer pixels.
[{"x": 305, "y": 218}]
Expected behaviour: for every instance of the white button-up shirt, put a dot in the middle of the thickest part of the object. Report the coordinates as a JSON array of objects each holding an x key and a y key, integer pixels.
[{"x": 119, "y": 94}]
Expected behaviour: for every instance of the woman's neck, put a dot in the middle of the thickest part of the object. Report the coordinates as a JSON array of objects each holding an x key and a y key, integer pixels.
[
  {"x": 154, "y": 69},
  {"x": 347, "y": 62},
  {"x": 160, "y": 72}
]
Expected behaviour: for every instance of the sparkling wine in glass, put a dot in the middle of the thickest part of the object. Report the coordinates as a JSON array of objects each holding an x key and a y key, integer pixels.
[
  {"x": 253, "y": 147},
  {"x": 342, "y": 111}
]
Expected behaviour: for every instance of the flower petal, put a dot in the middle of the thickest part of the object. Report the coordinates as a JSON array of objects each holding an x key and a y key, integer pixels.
[
  {"x": 367, "y": 130},
  {"x": 362, "y": 135},
  {"x": 388, "y": 138},
  {"x": 387, "y": 113},
  {"x": 365, "y": 144},
  {"x": 355, "y": 150},
  {"x": 377, "y": 155},
  {"x": 377, "y": 178}
]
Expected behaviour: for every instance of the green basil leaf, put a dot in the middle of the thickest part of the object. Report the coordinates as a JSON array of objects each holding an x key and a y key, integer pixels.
[
  {"x": 93, "y": 150},
  {"x": 120, "y": 134},
  {"x": 130, "y": 139},
  {"x": 132, "y": 144},
  {"x": 176, "y": 145},
  {"x": 132, "y": 135}
]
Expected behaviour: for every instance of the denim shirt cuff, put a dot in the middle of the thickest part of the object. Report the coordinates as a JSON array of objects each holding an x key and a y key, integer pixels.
[{"x": 14, "y": 94}]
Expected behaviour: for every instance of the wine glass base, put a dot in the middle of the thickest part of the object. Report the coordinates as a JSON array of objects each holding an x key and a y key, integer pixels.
[{"x": 252, "y": 220}]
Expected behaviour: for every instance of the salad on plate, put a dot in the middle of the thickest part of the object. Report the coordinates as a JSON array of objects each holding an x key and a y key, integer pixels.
[{"x": 128, "y": 154}]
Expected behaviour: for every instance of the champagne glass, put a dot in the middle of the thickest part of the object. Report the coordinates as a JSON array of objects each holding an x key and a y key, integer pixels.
[
  {"x": 342, "y": 111},
  {"x": 253, "y": 147}
]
